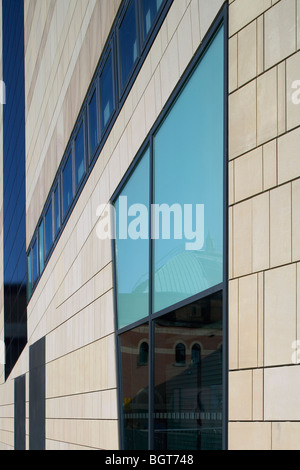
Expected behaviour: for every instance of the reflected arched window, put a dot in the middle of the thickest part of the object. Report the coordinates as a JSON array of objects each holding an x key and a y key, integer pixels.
[
  {"x": 180, "y": 353},
  {"x": 143, "y": 354},
  {"x": 196, "y": 354}
]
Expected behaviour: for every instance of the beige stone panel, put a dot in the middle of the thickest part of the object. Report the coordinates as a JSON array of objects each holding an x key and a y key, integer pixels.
[
  {"x": 247, "y": 54},
  {"x": 281, "y": 94},
  {"x": 260, "y": 45},
  {"x": 298, "y": 310},
  {"x": 267, "y": 106},
  {"x": 233, "y": 63},
  {"x": 196, "y": 35},
  {"x": 293, "y": 90},
  {"x": 240, "y": 395},
  {"x": 248, "y": 322},
  {"x": 285, "y": 436},
  {"x": 281, "y": 392},
  {"x": 288, "y": 156},
  {"x": 248, "y": 174},
  {"x": 242, "y": 12},
  {"x": 298, "y": 24},
  {"x": 270, "y": 165},
  {"x": 169, "y": 69},
  {"x": 250, "y": 436},
  {"x": 233, "y": 324},
  {"x": 242, "y": 120},
  {"x": 280, "y": 315},
  {"x": 242, "y": 238},
  {"x": 260, "y": 320},
  {"x": 280, "y": 32},
  {"x": 231, "y": 196},
  {"x": 208, "y": 12},
  {"x": 260, "y": 232},
  {"x": 280, "y": 225},
  {"x": 296, "y": 220},
  {"x": 230, "y": 242},
  {"x": 185, "y": 43},
  {"x": 258, "y": 395}
]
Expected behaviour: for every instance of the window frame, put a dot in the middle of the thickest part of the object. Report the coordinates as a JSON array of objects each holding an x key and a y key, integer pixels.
[
  {"x": 104, "y": 130},
  {"x": 221, "y": 20},
  {"x": 69, "y": 154}
]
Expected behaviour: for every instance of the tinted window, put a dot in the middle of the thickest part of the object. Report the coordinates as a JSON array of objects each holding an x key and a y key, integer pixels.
[
  {"x": 41, "y": 247},
  {"x": 79, "y": 155},
  {"x": 93, "y": 134},
  {"x": 34, "y": 262},
  {"x": 128, "y": 43},
  {"x": 106, "y": 92},
  {"x": 67, "y": 185},
  {"x": 56, "y": 212},
  {"x": 29, "y": 278},
  {"x": 132, "y": 246},
  {"x": 48, "y": 229},
  {"x": 150, "y": 10}
]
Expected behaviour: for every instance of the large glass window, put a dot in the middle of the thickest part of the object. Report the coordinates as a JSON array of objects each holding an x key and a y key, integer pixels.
[
  {"x": 67, "y": 185},
  {"x": 188, "y": 186},
  {"x": 106, "y": 92},
  {"x": 128, "y": 43},
  {"x": 79, "y": 155},
  {"x": 48, "y": 229},
  {"x": 132, "y": 246},
  {"x": 150, "y": 9}
]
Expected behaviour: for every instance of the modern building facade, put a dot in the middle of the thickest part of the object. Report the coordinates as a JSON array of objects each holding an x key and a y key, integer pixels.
[{"x": 150, "y": 224}]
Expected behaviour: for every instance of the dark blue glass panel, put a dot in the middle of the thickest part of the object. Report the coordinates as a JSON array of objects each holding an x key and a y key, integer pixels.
[
  {"x": 56, "y": 212},
  {"x": 29, "y": 276},
  {"x": 128, "y": 43},
  {"x": 41, "y": 247},
  {"x": 93, "y": 133},
  {"x": 48, "y": 229},
  {"x": 67, "y": 185},
  {"x": 150, "y": 9},
  {"x": 106, "y": 92},
  {"x": 79, "y": 155},
  {"x": 35, "y": 269}
]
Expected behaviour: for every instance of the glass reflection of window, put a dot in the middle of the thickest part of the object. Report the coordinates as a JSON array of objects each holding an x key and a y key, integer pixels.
[
  {"x": 29, "y": 276},
  {"x": 106, "y": 93},
  {"x": 144, "y": 353},
  {"x": 35, "y": 262},
  {"x": 180, "y": 354},
  {"x": 56, "y": 211},
  {"x": 196, "y": 354},
  {"x": 128, "y": 43},
  {"x": 150, "y": 9}
]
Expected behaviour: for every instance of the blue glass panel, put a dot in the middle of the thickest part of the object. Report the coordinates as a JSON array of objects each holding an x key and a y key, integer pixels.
[
  {"x": 67, "y": 185},
  {"x": 132, "y": 246},
  {"x": 41, "y": 247},
  {"x": 79, "y": 155},
  {"x": 188, "y": 175},
  {"x": 48, "y": 229},
  {"x": 150, "y": 9},
  {"x": 128, "y": 43},
  {"x": 56, "y": 212},
  {"x": 93, "y": 134},
  {"x": 106, "y": 92},
  {"x": 35, "y": 262},
  {"x": 29, "y": 276}
]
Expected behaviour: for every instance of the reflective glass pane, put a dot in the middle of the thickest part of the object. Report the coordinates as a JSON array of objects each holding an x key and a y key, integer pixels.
[
  {"x": 188, "y": 388},
  {"x": 188, "y": 186},
  {"x": 35, "y": 262},
  {"x": 41, "y": 247},
  {"x": 93, "y": 134},
  {"x": 132, "y": 246},
  {"x": 134, "y": 389},
  {"x": 79, "y": 155},
  {"x": 150, "y": 9},
  {"x": 29, "y": 276},
  {"x": 106, "y": 92},
  {"x": 48, "y": 229},
  {"x": 56, "y": 212},
  {"x": 128, "y": 43},
  {"x": 67, "y": 185}
]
